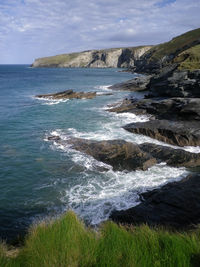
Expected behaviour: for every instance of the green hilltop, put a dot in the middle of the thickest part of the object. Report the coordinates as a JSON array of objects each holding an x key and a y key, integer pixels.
[{"x": 183, "y": 49}]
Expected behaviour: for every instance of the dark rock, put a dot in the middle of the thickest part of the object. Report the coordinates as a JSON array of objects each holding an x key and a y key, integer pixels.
[
  {"x": 136, "y": 84},
  {"x": 181, "y": 133},
  {"x": 120, "y": 154},
  {"x": 175, "y": 205},
  {"x": 173, "y": 157},
  {"x": 54, "y": 138},
  {"x": 176, "y": 84}
]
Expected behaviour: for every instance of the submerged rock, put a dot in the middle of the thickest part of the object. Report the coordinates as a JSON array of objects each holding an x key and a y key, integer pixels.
[
  {"x": 175, "y": 205},
  {"x": 69, "y": 94},
  {"x": 180, "y": 133}
]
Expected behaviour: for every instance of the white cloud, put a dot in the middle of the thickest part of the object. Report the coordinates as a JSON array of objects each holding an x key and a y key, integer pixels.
[{"x": 35, "y": 28}]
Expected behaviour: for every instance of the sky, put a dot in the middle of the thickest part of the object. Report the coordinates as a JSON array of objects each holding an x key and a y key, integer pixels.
[{"x": 31, "y": 29}]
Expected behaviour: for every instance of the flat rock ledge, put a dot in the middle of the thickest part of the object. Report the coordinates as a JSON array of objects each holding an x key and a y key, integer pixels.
[
  {"x": 179, "y": 133},
  {"x": 134, "y": 85},
  {"x": 122, "y": 155},
  {"x": 175, "y": 205},
  {"x": 70, "y": 94}
]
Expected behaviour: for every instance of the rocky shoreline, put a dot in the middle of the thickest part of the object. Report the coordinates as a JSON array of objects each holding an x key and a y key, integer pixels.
[
  {"x": 175, "y": 120},
  {"x": 170, "y": 77}
]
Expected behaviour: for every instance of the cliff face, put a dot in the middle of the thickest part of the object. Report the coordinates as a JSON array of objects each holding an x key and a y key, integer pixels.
[{"x": 108, "y": 58}]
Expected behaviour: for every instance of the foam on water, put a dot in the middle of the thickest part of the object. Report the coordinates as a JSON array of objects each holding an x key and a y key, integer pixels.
[
  {"x": 50, "y": 101},
  {"x": 96, "y": 195},
  {"x": 103, "y": 87}
]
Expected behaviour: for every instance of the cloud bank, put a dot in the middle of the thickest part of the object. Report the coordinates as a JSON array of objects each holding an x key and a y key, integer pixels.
[{"x": 35, "y": 28}]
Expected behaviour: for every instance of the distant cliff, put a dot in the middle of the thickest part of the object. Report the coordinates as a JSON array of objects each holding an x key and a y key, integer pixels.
[{"x": 107, "y": 58}]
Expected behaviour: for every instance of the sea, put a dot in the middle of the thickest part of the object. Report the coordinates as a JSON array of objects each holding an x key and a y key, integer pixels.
[{"x": 41, "y": 179}]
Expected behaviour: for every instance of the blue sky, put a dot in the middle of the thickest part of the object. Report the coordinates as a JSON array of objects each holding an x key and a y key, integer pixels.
[{"x": 35, "y": 28}]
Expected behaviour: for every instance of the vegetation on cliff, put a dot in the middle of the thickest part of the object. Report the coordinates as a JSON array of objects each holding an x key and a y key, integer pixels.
[
  {"x": 67, "y": 242},
  {"x": 183, "y": 49}
]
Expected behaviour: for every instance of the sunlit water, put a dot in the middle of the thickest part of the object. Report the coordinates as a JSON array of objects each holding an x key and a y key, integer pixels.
[{"x": 40, "y": 178}]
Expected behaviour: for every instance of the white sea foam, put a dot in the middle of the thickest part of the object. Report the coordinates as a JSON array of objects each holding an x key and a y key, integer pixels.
[
  {"x": 95, "y": 199},
  {"x": 103, "y": 87},
  {"x": 50, "y": 101},
  {"x": 99, "y": 189}
]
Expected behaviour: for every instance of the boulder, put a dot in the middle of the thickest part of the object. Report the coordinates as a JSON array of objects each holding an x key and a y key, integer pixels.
[
  {"x": 175, "y": 205},
  {"x": 179, "y": 133}
]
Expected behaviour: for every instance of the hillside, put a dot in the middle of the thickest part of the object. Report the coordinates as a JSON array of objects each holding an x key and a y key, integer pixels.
[
  {"x": 107, "y": 58},
  {"x": 183, "y": 50}
]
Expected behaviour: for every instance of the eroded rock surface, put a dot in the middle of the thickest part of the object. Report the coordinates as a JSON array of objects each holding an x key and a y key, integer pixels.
[
  {"x": 180, "y": 133},
  {"x": 175, "y": 205}
]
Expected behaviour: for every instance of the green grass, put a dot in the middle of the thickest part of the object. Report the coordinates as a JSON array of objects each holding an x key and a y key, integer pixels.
[
  {"x": 67, "y": 242},
  {"x": 175, "y": 46},
  {"x": 190, "y": 58},
  {"x": 59, "y": 59}
]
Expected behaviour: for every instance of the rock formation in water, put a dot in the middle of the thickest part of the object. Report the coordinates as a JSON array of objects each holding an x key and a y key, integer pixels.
[{"x": 70, "y": 94}]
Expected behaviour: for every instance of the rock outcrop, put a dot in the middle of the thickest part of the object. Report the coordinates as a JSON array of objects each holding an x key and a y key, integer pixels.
[
  {"x": 107, "y": 58},
  {"x": 173, "y": 157},
  {"x": 175, "y": 205},
  {"x": 175, "y": 83},
  {"x": 70, "y": 94},
  {"x": 121, "y": 155},
  {"x": 175, "y": 108},
  {"x": 179, "y": 133},
  {"x": 137, "y": 84},
  {"x": 124, "y": 155}
]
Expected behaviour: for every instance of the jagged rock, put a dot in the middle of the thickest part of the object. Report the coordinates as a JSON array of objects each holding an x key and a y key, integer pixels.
[
  {"x": 69, "y": 94},
  {"x": 137, "y": 84},
  {"x": 173, "y": 157},
  {"x": 181, "y": 133},
  {"x": 176, "y": 84},
  {"x": 175, "y": 205}
]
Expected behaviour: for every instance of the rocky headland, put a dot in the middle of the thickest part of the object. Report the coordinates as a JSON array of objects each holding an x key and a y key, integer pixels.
[
  {"x": 170, "y": 77},
  {"x": 106, "y": 58}
]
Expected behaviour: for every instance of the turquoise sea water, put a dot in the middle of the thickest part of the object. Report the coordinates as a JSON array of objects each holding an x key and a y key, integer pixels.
[{"x": 40, "y": 178}]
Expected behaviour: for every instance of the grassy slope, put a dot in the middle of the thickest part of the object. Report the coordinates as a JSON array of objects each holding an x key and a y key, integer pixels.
[
  {"x": 67, "y": 242},
  {"x": 176, "y": 45},
  {"x": 190, "y": 58}
]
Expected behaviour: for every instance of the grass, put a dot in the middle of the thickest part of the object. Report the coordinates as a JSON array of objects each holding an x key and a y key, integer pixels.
[
  {"x": 176, "y": 45},
  {"x": 67, "y": 242},
  {"x": 190, "y": 58}
]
